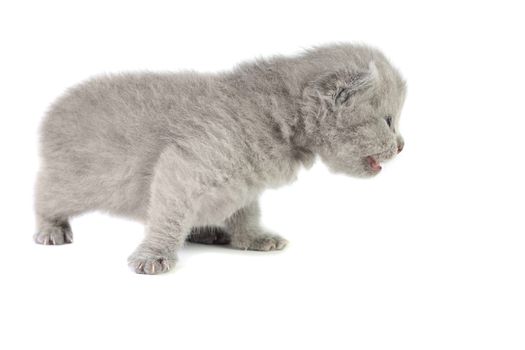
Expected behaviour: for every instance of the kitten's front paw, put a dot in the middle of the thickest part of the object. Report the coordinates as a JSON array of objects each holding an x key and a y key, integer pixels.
[
  {"x": 54, "y": 235},
  {"x": 150, "y": 264},
  {"x": 260, "y": 242}
]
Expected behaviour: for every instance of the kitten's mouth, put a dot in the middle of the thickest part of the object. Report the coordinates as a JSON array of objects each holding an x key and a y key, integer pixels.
[{"x": 373, "y": 163}]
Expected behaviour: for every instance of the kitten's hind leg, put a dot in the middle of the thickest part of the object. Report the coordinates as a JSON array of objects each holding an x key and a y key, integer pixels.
[
  {"x": 55, "y": 202},
  {"x": 53, "y": 232},
  {"x": 209, "y": 235}
]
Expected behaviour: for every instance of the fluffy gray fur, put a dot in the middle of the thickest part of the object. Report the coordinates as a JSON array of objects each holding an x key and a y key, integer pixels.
[{"x": 189, "y": 153}]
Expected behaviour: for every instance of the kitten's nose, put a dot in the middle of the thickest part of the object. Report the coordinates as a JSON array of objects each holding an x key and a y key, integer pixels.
[{"x": 400, "y": 147}]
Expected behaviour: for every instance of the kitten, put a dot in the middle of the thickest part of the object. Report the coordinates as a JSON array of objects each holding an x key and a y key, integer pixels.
[{"x": 189, "y": 154}]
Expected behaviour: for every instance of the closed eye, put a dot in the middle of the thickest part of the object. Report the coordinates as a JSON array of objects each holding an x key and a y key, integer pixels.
[{"x": 388, "y": 120}]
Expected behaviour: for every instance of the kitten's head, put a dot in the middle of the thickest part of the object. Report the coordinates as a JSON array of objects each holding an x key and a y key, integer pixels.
[{"x": 352, "y": 116}]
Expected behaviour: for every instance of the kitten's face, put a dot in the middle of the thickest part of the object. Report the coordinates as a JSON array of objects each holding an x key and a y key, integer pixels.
[{"x": 360, "y": 129}]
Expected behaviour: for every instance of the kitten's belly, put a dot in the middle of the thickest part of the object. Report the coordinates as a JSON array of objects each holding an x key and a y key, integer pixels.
[
  {"x": 215, "y": 206},
  {"x": 210, "y": 208}
]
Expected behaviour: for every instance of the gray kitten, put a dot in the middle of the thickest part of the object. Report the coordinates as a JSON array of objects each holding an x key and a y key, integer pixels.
[{"x": 189, "y": 153}]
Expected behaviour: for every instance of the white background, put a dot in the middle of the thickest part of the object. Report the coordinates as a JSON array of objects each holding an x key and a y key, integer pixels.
[{"x": 428, "y": 255}]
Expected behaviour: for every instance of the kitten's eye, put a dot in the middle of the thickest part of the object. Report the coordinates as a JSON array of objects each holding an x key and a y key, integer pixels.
[{"x": 388, "y": 120}]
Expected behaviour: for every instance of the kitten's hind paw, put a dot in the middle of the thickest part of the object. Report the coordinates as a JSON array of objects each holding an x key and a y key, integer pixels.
[
  {"x": 209, "y": 235},
  {"x": 55, "y": 234}
]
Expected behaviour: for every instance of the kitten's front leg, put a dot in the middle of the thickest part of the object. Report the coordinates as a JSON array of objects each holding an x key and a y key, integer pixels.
[
  {"x": 165, "y": 235},
  {"x": 169, "y": 218},
  {"x": 246, "y": 232}
]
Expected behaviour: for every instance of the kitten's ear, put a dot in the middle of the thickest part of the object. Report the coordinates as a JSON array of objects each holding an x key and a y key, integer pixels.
[{"x": 338, "y": 87}]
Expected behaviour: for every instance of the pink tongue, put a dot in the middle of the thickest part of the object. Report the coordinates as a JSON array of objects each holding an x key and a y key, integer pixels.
[{"x": 374, "y": 164}]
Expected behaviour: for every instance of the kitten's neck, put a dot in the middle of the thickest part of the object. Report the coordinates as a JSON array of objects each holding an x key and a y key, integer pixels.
[
  {"x": 282, "y": 80},
  {"x": 296, "y": 73}
]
